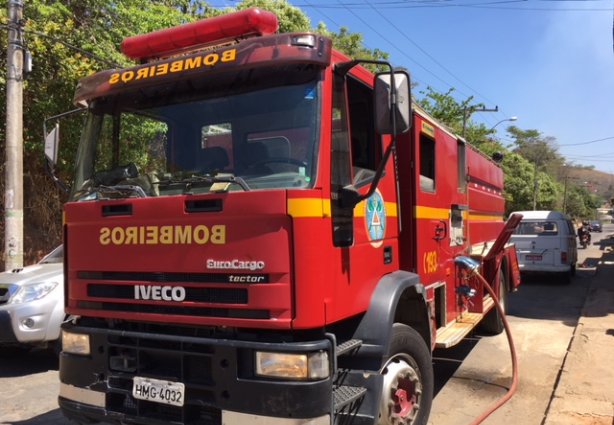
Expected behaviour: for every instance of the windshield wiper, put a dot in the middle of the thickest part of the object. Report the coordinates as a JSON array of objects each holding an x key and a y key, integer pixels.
[
  {"x": 196, "y": 179},
  {"x": 107, "y": 192}
]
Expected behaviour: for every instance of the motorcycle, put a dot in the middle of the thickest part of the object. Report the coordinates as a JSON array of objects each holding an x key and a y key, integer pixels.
[{"x": 585, "y": 239}]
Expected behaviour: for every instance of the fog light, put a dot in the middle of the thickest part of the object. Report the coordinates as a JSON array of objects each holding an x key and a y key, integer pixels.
[
  {"x": 75, "y": 343},
  {"x": 28, "y": 323},
  {"x": 293, "y": 366}
]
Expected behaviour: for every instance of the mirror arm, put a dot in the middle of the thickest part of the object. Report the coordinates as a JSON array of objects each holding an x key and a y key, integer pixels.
[
  {"x": 344, "y": 67},
  {"x": 380, "y": 171},
  {"x": 350, "y": 197},
  {"x": 58, "y": 182}
]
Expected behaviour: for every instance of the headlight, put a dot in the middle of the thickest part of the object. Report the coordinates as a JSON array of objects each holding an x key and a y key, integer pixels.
[
  {"x": 32, "y": 292},
  {"x": 75, "y": 343},
  {"x": 293, "y": 366}
]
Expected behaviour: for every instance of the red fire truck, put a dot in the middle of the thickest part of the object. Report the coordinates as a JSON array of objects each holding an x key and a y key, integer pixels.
[{"x": 261, "y": 231}]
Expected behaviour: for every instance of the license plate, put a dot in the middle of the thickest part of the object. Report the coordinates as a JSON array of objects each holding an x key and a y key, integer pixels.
[
  {"x": 533, "y": 257},
  {"x": 158, "y": 391}
]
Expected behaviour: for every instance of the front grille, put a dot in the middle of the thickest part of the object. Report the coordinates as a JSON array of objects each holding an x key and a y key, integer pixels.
[
  {"x": 203, "y": 295},
  {"x": 141, "y": 292},
  {"x": 172, "y": 277},
  {"x": 179, "y": 310},
  {"x": 174, "y": 360}
]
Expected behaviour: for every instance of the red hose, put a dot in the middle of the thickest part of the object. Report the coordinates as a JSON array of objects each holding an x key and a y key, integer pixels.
[{"x": 510, "y": 340}]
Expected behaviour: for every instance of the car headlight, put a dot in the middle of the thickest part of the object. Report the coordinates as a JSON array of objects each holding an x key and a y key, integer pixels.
[
  {"x": 32, "y": 292},
  {"x": 293, "y": 366},
  {"x": 75, "y": 343}
]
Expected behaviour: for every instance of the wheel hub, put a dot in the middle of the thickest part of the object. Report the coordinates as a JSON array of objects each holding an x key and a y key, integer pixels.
[{"x": 401, "y": 394}]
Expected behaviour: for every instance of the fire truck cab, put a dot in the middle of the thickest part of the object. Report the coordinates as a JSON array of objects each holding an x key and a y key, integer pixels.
[{"x": 262, "y": 231}]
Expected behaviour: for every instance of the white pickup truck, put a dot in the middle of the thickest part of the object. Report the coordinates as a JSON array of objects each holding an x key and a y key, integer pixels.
[{"x": 32, "y": 304}]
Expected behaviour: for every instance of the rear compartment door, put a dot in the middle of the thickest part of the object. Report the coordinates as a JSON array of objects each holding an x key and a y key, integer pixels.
[{"x": 538, "y": 242}]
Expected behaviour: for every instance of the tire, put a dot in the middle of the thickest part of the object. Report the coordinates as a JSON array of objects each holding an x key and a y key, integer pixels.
[
  {"x": 14, "y": 351},
  {"x": 492, "y": 324},
  {"x": 56, "y": 346},
  {"x": 564, "y": 278},
  {"x": 407, "y": 392}
]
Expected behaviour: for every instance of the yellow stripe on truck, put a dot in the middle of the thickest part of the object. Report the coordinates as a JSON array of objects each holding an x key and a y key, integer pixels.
[
  {"x": 320, "y": 208},
  {"x": 309, "y": 208}
]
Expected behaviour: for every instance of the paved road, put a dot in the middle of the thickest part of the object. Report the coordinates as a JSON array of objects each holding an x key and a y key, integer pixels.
[{"x": 544, "y": 318}]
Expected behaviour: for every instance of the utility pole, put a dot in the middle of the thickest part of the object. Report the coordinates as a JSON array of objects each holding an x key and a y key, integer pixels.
[
  {"x": 468, "y": 110},
  {"x": 565, "y": 195},
  {"x": 13, "y": 196}
]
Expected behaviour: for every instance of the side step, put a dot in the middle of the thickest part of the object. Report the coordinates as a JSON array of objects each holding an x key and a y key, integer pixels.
[
  {"x": 345, "y": 395},
  {"x": 348, "y": 346},
  {"x": 465, "y": 323}
]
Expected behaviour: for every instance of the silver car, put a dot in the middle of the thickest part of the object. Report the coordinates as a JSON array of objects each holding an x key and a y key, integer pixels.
[{"x": 32, "y": 304}]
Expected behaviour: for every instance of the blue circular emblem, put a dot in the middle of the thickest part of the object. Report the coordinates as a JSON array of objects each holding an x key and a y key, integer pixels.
[{"x": 375, "y": 216}]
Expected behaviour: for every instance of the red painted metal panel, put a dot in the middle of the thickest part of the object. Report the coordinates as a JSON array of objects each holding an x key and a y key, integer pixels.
[{"x": 139, "y": 244}]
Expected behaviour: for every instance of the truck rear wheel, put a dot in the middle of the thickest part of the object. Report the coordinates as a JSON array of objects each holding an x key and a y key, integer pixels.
[
  {"x": 493, "y": 322},
  {"x": 408, "y": 379}
]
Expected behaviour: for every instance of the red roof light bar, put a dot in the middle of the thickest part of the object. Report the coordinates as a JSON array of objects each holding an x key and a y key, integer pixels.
[{"x": 248, "y": 22}]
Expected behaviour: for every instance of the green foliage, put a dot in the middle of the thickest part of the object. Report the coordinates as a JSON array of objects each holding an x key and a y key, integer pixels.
[
  {"x": 291, "y": 18},
  {"x": 530, "y": 169},
  {"x": 518, "y": 178},
  {"x": 352, "y": 45}
]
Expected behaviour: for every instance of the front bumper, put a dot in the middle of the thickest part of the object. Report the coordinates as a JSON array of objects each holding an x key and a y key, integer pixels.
[
  {"x": 217, "y": 373},
  {"x": 30, "y": 323},
  {"x": 83, "y": 413},
  {"x": 543, "y": 268}
]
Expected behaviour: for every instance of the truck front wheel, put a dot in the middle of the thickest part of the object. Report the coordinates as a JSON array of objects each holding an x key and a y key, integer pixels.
[{"x": 408, "y": 379}]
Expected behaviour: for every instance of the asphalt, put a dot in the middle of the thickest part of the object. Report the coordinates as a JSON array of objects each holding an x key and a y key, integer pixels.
[{"x": 584, "y": 392}]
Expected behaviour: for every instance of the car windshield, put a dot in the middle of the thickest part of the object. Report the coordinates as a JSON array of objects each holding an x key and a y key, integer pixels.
[
  {"x": 55, "y": 256},
  {"x": 165, "y": 142}
]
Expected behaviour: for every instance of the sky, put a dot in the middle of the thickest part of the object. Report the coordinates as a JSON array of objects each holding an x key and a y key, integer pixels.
[{"x": 550, "y": 63}]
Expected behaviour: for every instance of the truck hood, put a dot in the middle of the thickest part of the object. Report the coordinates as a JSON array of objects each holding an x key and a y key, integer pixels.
[
  {"x": 33, "y": 274},
  {"x": 190, "y": 259}
]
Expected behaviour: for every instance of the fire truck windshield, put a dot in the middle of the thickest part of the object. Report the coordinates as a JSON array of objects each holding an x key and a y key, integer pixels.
[{"x": 170, "y": 140}]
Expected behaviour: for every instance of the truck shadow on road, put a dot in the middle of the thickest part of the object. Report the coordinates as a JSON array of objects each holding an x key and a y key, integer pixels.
[
  {"x": 447, "y": 361},
  {"x": 590, "y": 292},
  {"x": 53, "y": 417},
  {"x": 546, "y": 298},
  {"x": 600, "y": 297},
  {"x": 37, "y": 361}
]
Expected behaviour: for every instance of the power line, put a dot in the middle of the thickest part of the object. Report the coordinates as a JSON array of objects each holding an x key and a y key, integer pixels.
[
  {"x": 426, "y": 53},
  {"x": 70, "y": 46},
  {"x": 400, "y": 4},
  {"x": 587, "y": 143},
  {"x": 398, "y": 49}
]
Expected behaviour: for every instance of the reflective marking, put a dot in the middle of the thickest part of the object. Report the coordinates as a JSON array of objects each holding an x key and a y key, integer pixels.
[
  {"x": 82, "y": 395},
  {"x": 236, "y": 418},
  {"x": 309, "y": 207}
]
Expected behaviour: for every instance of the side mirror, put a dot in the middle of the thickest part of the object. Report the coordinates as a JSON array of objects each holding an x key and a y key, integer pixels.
[
  {"x": 52, "y": 145},
  {"x": 52, "y": 141},
  {"x": 392, "y": 102}
]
